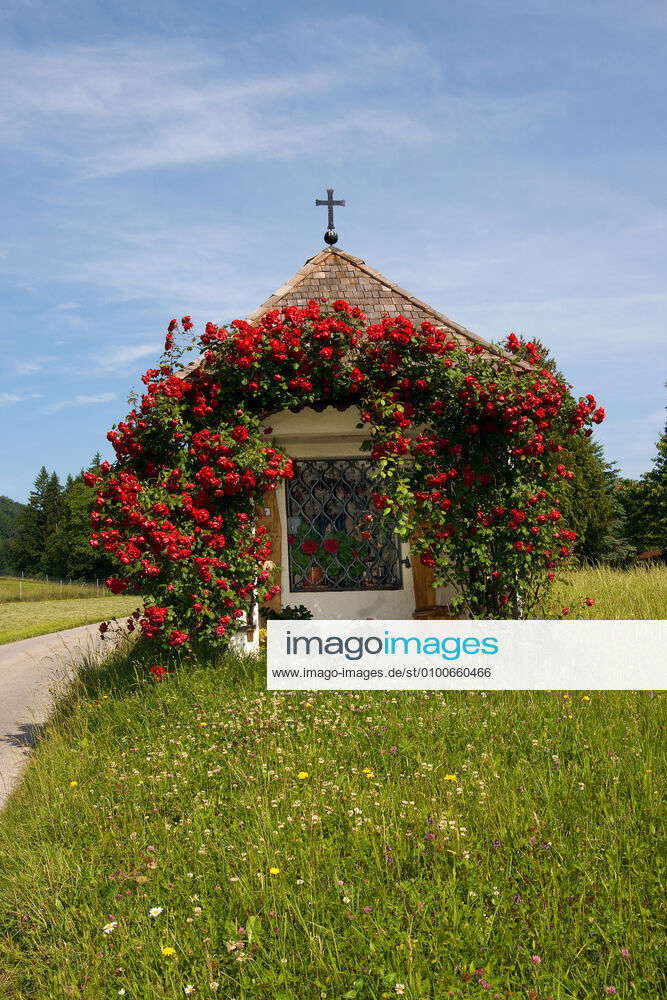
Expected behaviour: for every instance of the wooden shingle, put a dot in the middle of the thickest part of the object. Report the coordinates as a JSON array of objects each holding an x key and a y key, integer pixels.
[{"x": 334, "y": 274}]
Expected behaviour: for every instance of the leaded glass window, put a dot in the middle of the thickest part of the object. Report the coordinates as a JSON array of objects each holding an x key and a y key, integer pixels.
[{"x": 326, "y": 503}]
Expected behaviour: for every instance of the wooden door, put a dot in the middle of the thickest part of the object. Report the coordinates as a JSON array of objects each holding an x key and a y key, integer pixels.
[
  {"x": 422, "y": 581},
  {"x": 270, "y": 517}
]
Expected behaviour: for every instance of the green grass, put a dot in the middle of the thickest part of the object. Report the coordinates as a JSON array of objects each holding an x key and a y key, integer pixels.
[
  {"x": 16, "y": 588},
  {"x": 640, "y": 592},
  {"x": 391, "y": 873},
  {"x": 24, "y": 619}
]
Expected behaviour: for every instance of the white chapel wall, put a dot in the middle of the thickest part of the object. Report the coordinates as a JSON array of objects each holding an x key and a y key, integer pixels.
[{"x": 333, "y": 434}]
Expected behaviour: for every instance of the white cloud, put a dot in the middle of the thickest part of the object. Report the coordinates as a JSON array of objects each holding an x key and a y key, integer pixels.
[
  {"x": 105, "y": 110},
  {"x": 199, "y": 273},
  {"x": 102, "y": 397},
  {"x": 28, "y": 367},
  {"x": 119, "y": 357},
  {"x": 7, "y": 398}
]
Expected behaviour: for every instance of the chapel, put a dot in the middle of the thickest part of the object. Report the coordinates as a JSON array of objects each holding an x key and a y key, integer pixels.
[
  {"x": 318, "y": 555},
  {"x": 321, "y": 561}
]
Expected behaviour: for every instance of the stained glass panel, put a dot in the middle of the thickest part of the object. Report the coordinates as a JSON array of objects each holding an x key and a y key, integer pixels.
[{"x": 326, "y": 503}]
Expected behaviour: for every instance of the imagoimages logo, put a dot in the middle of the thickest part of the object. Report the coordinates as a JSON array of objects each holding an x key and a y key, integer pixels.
[
  {"x": 358, "y": 647},
  {"x": 310, "y": 655}
]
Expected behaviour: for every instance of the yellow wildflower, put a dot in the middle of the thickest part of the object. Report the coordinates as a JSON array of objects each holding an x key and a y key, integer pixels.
[
  {"x": 302, "y": 774},
  {"x": 450, "y": 777},
  {"x": 73, "y": 784},
  {"x": 168, "y": 951},
  {"x": 274, "y": 871}
]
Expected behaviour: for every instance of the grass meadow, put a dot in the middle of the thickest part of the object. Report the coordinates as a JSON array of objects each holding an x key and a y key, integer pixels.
[
  {"x": 17, "y": 588},
  {"x": 23, "y": 619},
  {"x": 202, "y": 836},
  {"x": 640, "y": 592}
]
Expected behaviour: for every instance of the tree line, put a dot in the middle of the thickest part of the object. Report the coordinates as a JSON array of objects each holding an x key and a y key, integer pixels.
[
  {"x": 51, "y": 532},
  {"x": 616, "y": 519}
]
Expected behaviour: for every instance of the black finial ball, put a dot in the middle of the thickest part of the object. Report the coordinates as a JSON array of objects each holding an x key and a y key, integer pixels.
[{"x": 331, "y": 237}]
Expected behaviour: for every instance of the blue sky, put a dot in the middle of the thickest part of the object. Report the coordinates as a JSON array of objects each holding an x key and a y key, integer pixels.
[{"x": 502, "y": 159}]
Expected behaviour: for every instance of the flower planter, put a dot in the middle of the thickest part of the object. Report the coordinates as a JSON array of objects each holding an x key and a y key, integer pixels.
[{"x": 314, "y": 576}]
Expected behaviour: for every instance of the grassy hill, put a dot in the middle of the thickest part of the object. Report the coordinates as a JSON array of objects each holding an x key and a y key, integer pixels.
[{"x": 10, "y": 511}]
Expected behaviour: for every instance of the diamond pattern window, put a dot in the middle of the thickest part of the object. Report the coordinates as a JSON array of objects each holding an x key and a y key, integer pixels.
[{"x": 326, "y": 503}]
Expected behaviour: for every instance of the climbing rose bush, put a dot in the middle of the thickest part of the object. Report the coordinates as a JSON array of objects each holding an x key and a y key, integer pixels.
[{"x": 467, "y": 442}]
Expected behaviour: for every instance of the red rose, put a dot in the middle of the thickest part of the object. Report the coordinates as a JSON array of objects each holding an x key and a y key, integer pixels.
[
  {"x": 309, "y": 547},
  {"x": 331, "y": 545},
  {"x": 158, "y": 672},
  {"x": 240, "y": 433},
  {"x": 177, "y": 638}
]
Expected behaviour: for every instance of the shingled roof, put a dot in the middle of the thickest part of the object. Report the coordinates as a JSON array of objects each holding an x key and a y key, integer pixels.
[{"x": 335, "y": 274}]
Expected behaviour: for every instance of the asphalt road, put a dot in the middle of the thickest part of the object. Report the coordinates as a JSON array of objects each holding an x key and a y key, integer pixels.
[{"x": 31, "y": 673}]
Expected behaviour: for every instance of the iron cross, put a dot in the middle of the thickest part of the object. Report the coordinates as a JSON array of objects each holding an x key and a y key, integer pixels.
[{"x": 331, "y": 236}]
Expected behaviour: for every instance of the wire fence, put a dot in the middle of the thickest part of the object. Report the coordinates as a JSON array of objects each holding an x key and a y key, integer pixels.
[{"x": 26, "y": 588}]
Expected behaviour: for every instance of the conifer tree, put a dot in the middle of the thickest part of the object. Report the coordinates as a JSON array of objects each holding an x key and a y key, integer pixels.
[
  {"x": 68, "y": 552},
  {"x": 27, "y": 549},
  {"x": 645, "y": 504}
]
